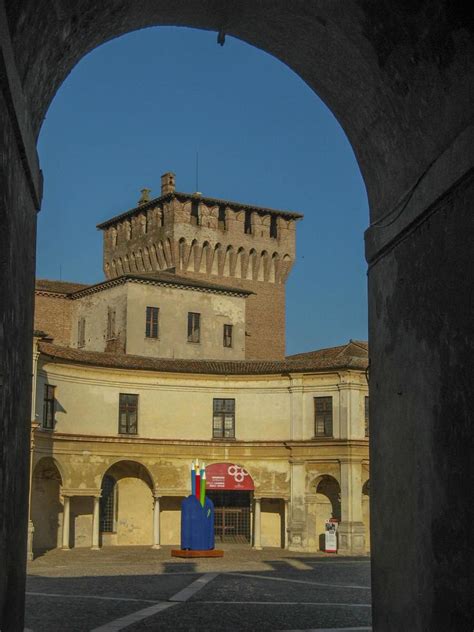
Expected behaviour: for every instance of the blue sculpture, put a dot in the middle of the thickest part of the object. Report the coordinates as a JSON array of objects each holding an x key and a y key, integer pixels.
[{"x": 197, "y": 524}]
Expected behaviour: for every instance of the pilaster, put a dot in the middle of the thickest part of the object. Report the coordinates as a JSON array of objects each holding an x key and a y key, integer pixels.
[
  {"x": 297, "y": 519},
  {"x": 351, "y": 530}
]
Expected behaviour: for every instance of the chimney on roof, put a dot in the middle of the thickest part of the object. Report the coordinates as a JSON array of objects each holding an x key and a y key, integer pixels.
[
  {"x": 144, "y": 197},
  {"x": 168, "y": 183}
]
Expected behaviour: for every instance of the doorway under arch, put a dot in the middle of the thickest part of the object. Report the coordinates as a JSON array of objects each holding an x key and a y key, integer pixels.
[
  {"x": 46, "y": 506},
  {"x": 328, "y": 505},
  {"x": 126, "y": 507}
]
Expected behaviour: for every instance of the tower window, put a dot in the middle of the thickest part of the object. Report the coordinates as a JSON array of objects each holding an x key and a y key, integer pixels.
[
  {"x": 273, "y": 227},
  {"x": 151, "y": 326},
  {"x": 248, "y": 223},
  {"x": 195, "y": 212},
  {"x": 323, "y": 416},
  {"x": 221, "y": 222},
  {"x": 194, "y": 327},
  {"x": 227, "y": 335}
]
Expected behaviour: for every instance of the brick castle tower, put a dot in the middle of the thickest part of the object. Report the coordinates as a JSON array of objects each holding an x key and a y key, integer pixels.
[{"x": 228, "y": 243}]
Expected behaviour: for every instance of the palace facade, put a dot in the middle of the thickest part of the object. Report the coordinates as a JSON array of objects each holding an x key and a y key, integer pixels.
[{"x": 180, "y": 354}]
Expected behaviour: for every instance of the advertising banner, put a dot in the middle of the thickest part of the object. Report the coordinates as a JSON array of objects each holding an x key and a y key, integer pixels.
[{"x": 228, "y": 476}]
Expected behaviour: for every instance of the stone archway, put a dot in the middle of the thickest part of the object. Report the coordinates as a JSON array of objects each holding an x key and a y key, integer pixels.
[
  {"x": 130, "y": 503},
  {"x": 46, "y": 506},
  {"x": 327, "y": 505},
  {"x": 399, "y": 80}
]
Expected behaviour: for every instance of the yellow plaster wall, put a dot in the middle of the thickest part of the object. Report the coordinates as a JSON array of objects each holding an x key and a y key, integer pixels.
[
  {"x": 169, "y": 406},
  {"x": 272, "y": 522},
  {"x": 46, "y": 513},
  {"x": 216, "y": 311},
  {"x": 170, "y": 520},
  {"x": 94, "y": 309},
  {"x": 81, "y": 521},
  {"x": 135, "y": 512}
]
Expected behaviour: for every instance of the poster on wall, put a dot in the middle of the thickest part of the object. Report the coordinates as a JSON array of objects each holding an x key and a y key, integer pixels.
[
  {"x": 228, "y": 476},
  {"x": 330, "y": 542}
]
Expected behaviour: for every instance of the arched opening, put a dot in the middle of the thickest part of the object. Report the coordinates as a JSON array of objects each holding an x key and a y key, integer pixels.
[
  {"x": 182, "y": 254},
  {"x": 240, "y": 264},
  {"x": 216, "y": 259},
  {"x": 229, "y": 262},
  {"x": 275, "y": 268},
  {"x": 126, "y": 507},
  {"x": 252, "y": 266},
  {"x": 328, "y": 505},
  {"x": 205, "y": 256},
  {"x": 193, "y": 260},
  {"x": 263, "y": 266},
  {"x": 46, "y": 506}
]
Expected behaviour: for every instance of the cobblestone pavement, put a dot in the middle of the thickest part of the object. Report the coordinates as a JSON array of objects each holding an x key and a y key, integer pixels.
[{"x": 137, "y": 589}]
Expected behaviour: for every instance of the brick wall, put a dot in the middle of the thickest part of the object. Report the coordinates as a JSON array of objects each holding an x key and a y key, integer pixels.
[
  {"x": 164, "y": 235},
  {"x": 53, "y": 316}
]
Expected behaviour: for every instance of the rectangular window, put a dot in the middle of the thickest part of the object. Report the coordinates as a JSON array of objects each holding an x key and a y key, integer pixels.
[
  {"x": 227, "y": 335},
  {"x": 366, "y": 415},
  {"x": 194, "y": 327},
  {"x": 248, "y": 223},
  {"x": 223, "y": 420},
  {"x": 48, "y": 407},
  {"x": 195, "y": 213},
  {"x": 323, "y": 416},
  {"x": 221, "y": 220},
  {"x": 128, "y": 413},
  {"x": 110, "y": 323},
  {"x": 273, "y": 227},
  {"x": 151, "y": 327},
  {"x": 81, "y": 332}
]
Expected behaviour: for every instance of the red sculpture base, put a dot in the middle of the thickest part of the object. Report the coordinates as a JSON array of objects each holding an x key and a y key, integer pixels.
[{"x": 191, "y": 554}]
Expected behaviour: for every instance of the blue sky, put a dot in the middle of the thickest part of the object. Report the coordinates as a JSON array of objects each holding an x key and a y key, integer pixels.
[{"x": 145, "y": 103}]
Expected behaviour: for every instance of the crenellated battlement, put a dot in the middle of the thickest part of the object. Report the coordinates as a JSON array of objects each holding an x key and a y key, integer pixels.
[{"x": 239, "y": 244}]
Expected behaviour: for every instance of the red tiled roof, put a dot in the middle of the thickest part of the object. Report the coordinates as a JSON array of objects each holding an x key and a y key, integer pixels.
[
  {"x": 77, "y": 290},
  {"x": 321, "y": 360},
  {"x": 59, "y": 287},
  {"x": 354, "y": 348}
]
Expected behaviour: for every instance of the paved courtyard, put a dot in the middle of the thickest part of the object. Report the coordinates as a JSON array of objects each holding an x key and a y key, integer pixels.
[{"x": 137, "y": 588}]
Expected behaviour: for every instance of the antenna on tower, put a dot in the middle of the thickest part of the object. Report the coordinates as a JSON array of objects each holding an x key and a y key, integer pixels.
[{"x": 197, "y": 171}]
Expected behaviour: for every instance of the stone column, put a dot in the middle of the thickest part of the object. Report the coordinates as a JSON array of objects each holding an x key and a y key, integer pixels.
[
  {"x": 285, "y": 526},
  {"x": 156, "y": 523},
  {"x": 66, "y": 522},
  {"x": 351, "y": 531},
  {"x": 257, "y": 529},
  {"x": 95, "y": 524}
]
